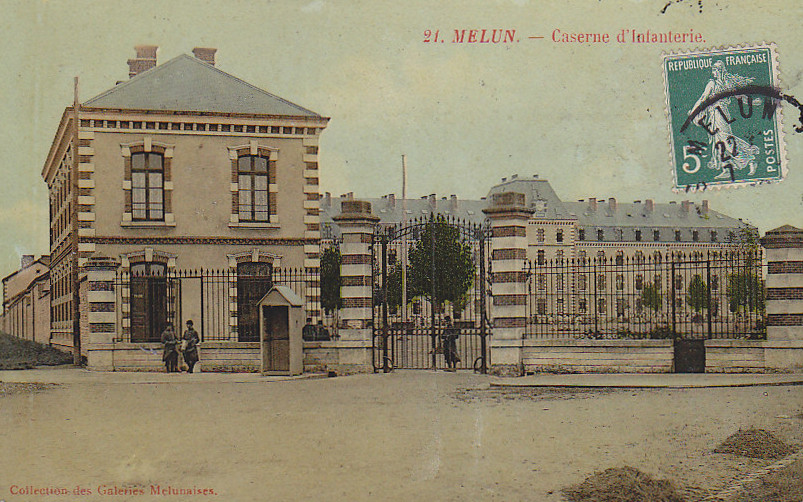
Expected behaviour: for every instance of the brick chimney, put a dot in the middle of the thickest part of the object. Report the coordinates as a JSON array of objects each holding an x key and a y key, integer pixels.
[
  {"x": 145, "y": 60},
  {"x": 26, "y": 261},
  {"x": 433, "y": 201},
  {"x": 649, "y": 205},
  {"x": 392, "y": 200},
  {"x": 705, "y": 208},
  {"x": 612, "y": 204},
  {"x": 327, "y": 199},
  {"x": 205, "y": 54},
  {"x": 592, "y": 203},
  {"x": 453, "y": 202},
  {"x": 685, "y": 205}
]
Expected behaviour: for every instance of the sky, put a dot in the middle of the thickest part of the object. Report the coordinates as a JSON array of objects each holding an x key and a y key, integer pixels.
[{"x": 589, "y": 117}]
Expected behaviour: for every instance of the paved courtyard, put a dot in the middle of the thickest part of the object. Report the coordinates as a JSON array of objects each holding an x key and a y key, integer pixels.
[{"x": 402, "y": 436}]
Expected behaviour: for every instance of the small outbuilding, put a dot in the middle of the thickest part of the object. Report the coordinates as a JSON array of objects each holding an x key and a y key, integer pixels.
[{"x": 281, "y": 318}]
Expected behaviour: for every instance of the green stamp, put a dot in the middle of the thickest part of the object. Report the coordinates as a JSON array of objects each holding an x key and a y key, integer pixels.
[{"x": 724, "y": 117}]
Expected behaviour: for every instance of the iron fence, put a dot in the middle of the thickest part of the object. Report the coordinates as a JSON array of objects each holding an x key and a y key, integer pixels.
[
  {"x": 221, "y": 303},
  {"x": 713, "y": 294}
]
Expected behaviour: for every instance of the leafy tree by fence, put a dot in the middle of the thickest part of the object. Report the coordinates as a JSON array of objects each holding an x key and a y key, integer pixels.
[{"x": 330, "y": 279}]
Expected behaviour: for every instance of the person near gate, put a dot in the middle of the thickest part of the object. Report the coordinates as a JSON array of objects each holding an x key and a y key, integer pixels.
[
  {"x": 190, "y": 342},
  {"x": 449, "y": 343},
  {"x": 170, "y": 353},
  {"x": 309, "y": 333}
]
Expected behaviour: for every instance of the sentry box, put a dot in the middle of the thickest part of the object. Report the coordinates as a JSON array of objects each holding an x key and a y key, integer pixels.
[{"x": 281, "y": 318}]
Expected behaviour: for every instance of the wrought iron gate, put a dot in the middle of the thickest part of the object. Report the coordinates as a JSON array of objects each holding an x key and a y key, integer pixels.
[{"x": 430, "y": 280}]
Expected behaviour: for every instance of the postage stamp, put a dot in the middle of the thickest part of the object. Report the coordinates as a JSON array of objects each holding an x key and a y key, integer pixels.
[{"x": 724, "y": 117}]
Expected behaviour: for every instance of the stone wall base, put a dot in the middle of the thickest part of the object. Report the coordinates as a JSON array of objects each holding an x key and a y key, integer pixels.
[
  {"x": 598, "y": 356},
  {"x": 506, "y": 370},
  {"x": 344, "y": 357}
]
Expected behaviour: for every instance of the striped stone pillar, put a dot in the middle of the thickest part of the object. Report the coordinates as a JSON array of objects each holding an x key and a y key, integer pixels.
[
  {"x": 101, "y": 313},
  {"x": 356, "y": 222},
  {"x": 784, "y": 250},
  {"x": 508, "y": 215}
]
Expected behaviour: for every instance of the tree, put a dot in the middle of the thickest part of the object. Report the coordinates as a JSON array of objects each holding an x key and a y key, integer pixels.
[
  {"x": 697, "y": 294},
  {"x": 745, "y": 291},
  {"x": 651, "y": 296},
  {"x": 330, "y": 279},
  {"x": 453, "y": 266}
]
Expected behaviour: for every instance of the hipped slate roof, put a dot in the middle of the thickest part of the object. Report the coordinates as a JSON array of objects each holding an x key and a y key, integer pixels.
[{"x": 187, "y": 84}]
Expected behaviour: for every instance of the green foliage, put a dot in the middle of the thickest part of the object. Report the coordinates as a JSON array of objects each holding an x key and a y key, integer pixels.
[
  {"x": 745, "y": 292},
  {"x": 330, "y": 279},
  {"x": 453, "y": 266},
  {"x": 697, "y": 294},
  {"x": 651, "y": 296},
  {"x": 395, "y": 286}
]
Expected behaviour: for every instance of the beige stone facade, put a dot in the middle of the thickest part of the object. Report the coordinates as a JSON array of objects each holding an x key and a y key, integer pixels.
[
  {"x": 164, "y": 177},
  {"x": 26, "y": 301}
]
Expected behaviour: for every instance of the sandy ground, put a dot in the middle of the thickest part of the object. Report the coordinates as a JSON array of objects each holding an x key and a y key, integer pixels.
[{"x": 401, "y": 436}]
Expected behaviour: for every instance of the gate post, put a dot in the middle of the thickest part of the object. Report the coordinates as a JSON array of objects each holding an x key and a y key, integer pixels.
[
  {"x": 508, "y": 215},
  {"x": 356, "y": 222},
  {"x": 99, "y": 312},
  {"x": 784, "y": 346}
]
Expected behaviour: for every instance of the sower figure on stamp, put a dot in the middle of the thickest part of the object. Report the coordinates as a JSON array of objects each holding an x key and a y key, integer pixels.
[
  {"x": 727, "y": 151},
  {"x": 190, "y": 343},
  {"x": 449, "y": 343},
  {"x": 170, "y": 354}
]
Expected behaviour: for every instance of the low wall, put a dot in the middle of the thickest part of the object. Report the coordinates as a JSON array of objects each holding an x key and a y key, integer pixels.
[
  {"x": 215, "y": 356},
  {"x": 598, "y": 356},
  {"x": 734, "y": 356},
  {"x": 341, "y": 356}
]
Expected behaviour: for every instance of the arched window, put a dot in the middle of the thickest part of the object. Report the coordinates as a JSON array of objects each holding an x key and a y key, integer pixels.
[{"x": 252, "y": 172}]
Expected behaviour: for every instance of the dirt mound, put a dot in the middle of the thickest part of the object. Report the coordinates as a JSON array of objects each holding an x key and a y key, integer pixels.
[
  {"x": 18, "y": 354},
  {"x": 755, "y": 443},
  {"x": 622, "y": 484}
]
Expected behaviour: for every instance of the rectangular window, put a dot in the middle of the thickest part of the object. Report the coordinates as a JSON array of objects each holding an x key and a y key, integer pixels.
[
  {"x": 695, "y": 236},
  {"x": 656, "y": 235},
  {"x": 541, "y": 257},
  {"x": 147, "y": 186},
  {"x": 252, "y": 173},
  {"x": 582, "y": 306},
  {"x": 638, "y": 235},
  {"x": 713, "y": 236},
  {"x": 581, "y": 234},
  {"x": 677, "y": 235},
  {"x": 540, "y": 234},
  {"x": 600, "y": 234},
  {"x": 541, "y": 306},
  {"x": 559, "y": 235}
]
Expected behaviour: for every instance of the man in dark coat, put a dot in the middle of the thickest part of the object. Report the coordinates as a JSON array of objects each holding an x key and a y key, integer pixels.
[
  {"x": 449, "y": 343},
  {"x": 170, "y": 354},
  {"x": 191, "y": 341}
]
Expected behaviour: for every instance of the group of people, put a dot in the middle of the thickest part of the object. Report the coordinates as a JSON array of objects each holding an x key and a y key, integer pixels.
[
  {"x": 314, "y": 333},
  {"x": 188, "y": 346}
]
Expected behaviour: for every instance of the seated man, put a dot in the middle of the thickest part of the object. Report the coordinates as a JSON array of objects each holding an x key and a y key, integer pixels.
[
  {"x": 323, "y": 333},
  {"x": 309, "y": 333}
]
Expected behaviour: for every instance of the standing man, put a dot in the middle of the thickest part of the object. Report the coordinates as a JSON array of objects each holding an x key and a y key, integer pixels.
[
  {"x": 191, "y": 341},
  {"x": 170, "y": 354},
  {"x": 449, "y": 342}
]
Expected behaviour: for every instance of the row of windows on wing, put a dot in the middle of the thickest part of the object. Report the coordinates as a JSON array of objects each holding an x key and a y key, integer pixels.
[
  {"x": 147, "y": 187},
  {"x": 599, "y": 282},
  {"x": 583, "y": 258},
  {"x": 622, "y": 306},
  {"x": 638, "y": 235}
]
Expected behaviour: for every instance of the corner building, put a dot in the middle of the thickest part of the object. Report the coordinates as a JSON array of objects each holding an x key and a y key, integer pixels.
[{"x": 183, "y": 167}]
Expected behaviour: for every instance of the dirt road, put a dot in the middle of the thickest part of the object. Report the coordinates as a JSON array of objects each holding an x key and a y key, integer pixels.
[{"x": 401, "y": 436}]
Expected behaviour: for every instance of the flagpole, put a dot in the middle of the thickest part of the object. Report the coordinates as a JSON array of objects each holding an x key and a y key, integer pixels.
[{"x": 404, "y": 242}]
